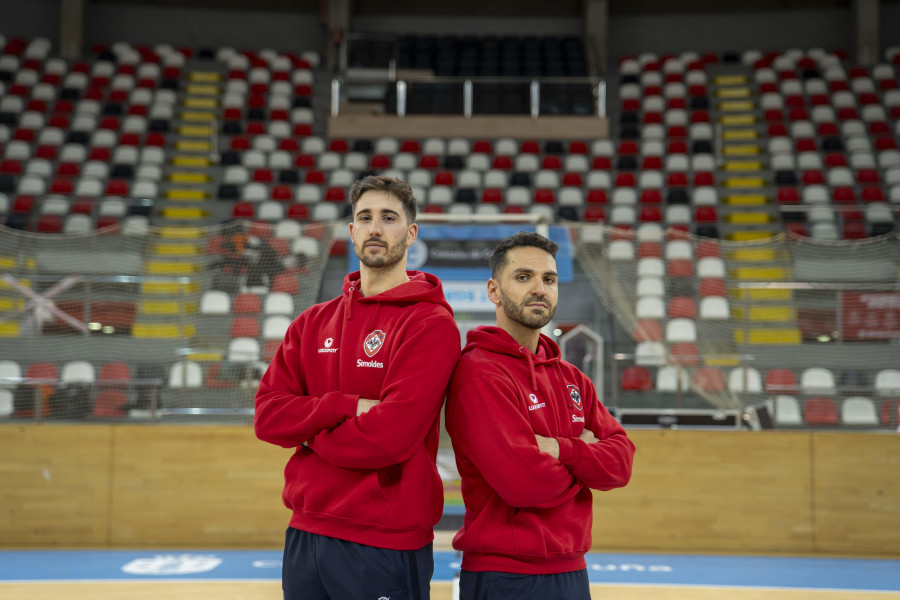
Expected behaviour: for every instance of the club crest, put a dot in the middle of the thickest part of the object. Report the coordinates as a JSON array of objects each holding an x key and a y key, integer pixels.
[
  {"x": 372, "y": 343},
  {"x": 575, "y": 395}
]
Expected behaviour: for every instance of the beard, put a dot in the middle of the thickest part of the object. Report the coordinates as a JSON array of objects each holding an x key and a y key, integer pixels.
[
  {"x": 522, "y": 315},
  {"x": 392, "y": 255}
]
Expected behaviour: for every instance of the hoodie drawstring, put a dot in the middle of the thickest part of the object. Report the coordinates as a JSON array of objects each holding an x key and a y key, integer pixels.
[
  {"x": 530, "y": 367},
  {"x": 348, "y": 311}
]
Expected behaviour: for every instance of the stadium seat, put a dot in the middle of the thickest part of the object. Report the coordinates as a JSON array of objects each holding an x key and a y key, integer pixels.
[
  {"x": 887, "y": 382},
  {"x": 650, "y": 354},
  {"x": 245, "y": 327},
  {"x": 817, "y": 380},
  {"x": 275, "y": 327},
  {"x": 647, "y": 330},
  {"x": 708, "y": 379},
  {"x": 278, "y": 303},
  {"x": 858, "y": 410},
  {"x": 672, "y": 379},
  {"x": 745, "y": 380},
  {"x": 185, "y": 374},
  {"x": 820, "y": 411},
  {"x": 787, "y": 411},
  {"x": 680, "y": 330},
  {"x": 243, "y": 349},
  {"x": 215, "y": 302},
  {"x": 636, "y": 379}
]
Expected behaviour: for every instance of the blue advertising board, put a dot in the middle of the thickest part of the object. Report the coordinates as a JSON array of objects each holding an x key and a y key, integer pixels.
[{"x": 461, "y": 252}]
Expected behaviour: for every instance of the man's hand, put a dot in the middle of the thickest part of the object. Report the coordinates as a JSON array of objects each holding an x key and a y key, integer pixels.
[
  {"x": 548, "y": 445},
  {"x": 588, "y": 436},
  {"x": 365, "y": 405}
]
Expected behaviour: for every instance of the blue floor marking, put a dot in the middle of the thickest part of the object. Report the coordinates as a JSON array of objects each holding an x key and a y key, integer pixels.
[{"x": 629, "y": 569}]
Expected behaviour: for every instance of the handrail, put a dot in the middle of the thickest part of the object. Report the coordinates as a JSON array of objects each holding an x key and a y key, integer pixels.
[{"x": 338, "y": 83}]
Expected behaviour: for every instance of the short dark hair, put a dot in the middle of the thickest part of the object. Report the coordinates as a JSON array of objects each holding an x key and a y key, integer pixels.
[
  {"x": 518, "y": 240},
  {"x": 397, "y": 188}
]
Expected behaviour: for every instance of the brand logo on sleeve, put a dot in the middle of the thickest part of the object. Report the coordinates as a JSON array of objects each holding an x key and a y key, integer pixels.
[
  {"x": 327, "y": 349},
  {"x": 373, "y": 342},
  {"x": 535, "y": 402},
  {"x": 575, "y": 396}
]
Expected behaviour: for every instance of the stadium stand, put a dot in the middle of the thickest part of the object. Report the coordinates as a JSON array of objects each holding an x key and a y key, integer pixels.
[{"x": 719, "y": 175}]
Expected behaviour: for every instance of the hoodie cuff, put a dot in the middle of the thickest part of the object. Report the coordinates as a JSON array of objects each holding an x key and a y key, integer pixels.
[
  {"x": 344, "y": 407},
  {"x": 569, "y": 452}
]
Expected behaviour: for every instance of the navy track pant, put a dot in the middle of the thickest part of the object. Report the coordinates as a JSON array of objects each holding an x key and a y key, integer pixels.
[
  {"x": 494, "y": 585},
  {"x": 317, "y": 567}
]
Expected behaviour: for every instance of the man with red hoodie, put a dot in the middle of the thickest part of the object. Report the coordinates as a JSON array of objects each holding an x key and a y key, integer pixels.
[
  {"x": 357, "y": 387},
  {"x": 531, "y": 441}
]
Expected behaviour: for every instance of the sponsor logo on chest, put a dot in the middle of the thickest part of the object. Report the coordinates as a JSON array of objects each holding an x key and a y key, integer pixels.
[
  {"x": 535, "y": 402},
  {"x": 373, "y": 342},
  {"x": 371, "y": 345},
  {"x": 575, "y": 396},
  {"x": 326, "y": 347}
]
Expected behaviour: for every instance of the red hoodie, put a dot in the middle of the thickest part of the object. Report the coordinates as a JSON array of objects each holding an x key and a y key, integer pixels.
[
  {"x": 369, "y": 479},
  {"x": 527, "y": 512}
]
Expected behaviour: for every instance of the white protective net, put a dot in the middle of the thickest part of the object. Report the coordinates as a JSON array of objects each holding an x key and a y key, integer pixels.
[
  {"x": 801, "y": 324},
  {"x": 173, "y": 323}
]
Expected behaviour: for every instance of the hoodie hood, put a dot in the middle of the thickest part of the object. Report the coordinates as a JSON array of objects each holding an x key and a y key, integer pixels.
[
  {"x": 421, "y": 287},
  {"x": 496, "y": 339}
]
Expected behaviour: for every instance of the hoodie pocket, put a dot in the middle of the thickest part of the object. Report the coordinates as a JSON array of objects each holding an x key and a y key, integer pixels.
[
  {"x": 415, "y": 493},
  {"x": 559, "y": 530},
  {"x": 315, "y": 486}
]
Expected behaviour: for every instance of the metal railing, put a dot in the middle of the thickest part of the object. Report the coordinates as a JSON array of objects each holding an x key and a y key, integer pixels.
[{"x": 468, "y": 90}]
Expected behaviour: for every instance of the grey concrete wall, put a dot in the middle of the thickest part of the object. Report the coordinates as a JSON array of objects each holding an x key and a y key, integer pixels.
[
  {"x": 630, "y": 32},
  {"x": 152, "y": 24}
]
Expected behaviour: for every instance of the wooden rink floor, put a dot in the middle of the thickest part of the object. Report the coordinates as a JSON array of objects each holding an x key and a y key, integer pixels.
[
  {"x": 96, "y": 575},
  {"x": 271, "y": 590}
]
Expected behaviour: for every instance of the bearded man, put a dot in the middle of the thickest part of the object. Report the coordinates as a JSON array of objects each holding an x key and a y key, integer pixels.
[
  {"x": 531, "y": 440},
  {"x": 356, "y": 389}
]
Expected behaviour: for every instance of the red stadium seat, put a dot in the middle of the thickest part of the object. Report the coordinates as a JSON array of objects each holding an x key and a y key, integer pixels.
[
  {"x": 287, "y": 283},
  {"x": 647, "y": 330},
  {"x": 245, "y": 327},
  {"x": 781, "y": 381},
  {"x": 708, "y": 379},
  {"x": 685, "y": 354},
  {"x": 682, "y": 307},
  {"x": 820, "y": 411},
  {"x": 246, "y": 304},
  {"x": 636, "y": 379}
]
